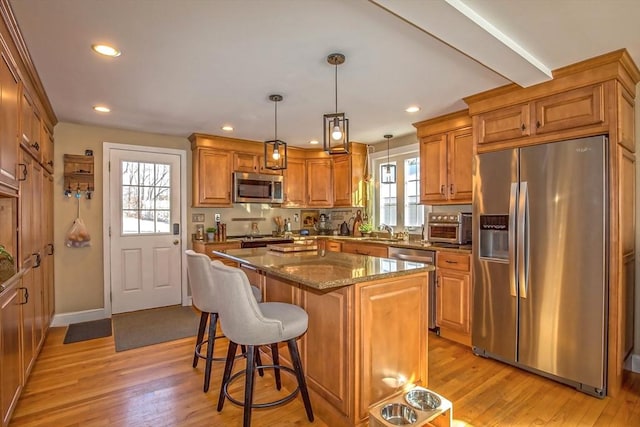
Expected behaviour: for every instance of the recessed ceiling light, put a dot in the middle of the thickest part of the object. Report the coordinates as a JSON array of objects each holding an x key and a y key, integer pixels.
[
  {"x": 102, "y": 109},
  {"x": 412, "y": 109},
  {"x": 106, "y": 50},
  {"x": 313, "y": 142},
  {"x": 227, "y": 128}
]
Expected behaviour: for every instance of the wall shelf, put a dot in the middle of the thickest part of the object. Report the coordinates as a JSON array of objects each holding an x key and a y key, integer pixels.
[{"x": 78, "y": 173}]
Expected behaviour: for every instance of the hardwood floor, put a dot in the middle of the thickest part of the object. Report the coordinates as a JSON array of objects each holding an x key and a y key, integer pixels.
[{"x": 89, "y": 384}]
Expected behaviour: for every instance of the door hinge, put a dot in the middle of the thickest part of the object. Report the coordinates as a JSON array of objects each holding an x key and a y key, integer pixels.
[
  {"x": 109, "y": 231},
  {"x": 109, "y": 166}
]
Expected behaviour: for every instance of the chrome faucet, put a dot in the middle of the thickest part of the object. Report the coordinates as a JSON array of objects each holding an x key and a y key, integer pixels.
[{"x": 387, "y": 228}]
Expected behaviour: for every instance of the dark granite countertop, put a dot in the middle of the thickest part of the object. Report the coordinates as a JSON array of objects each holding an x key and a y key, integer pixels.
[{"x": 324, "y": 269}]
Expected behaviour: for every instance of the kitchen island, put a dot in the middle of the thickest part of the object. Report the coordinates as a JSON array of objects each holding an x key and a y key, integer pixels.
[{"x": 367, "y": 335}]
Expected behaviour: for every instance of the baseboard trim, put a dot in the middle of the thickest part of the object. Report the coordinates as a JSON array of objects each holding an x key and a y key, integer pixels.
[{"x": 65, "y": 319}]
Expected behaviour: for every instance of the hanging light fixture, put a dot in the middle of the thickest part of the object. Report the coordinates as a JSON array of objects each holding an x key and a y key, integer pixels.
[
  {"x": 388, "y": 170},
  {"x": 275, "y": 151},
  {"x": 336, "y": 125}
]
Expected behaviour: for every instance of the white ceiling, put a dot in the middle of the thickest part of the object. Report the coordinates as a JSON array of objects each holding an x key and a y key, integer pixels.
[{"x": 195, "y": 65}]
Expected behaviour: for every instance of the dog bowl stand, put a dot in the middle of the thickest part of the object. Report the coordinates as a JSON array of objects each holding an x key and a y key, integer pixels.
[{"x": 440, "y": 417}]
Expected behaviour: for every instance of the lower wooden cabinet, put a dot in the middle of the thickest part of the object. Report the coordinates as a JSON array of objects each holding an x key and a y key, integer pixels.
[
  {"x": 11, "y": 378},
  {"x": 361, "y": 248},
  {"x": 207, "y": 248},
  {"x": 453, "y": 296}
]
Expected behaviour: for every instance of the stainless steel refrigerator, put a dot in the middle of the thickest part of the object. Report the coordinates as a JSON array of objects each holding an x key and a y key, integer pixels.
[{"x": 540, "y": 254}]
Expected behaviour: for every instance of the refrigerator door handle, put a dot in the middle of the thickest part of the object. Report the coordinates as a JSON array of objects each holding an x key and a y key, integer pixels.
[
  {"x": 512, "y": 238},
  {"x": 523, "y": 240}
]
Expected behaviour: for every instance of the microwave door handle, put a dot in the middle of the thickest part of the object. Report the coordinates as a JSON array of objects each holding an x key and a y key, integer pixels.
[
  {"x": 523, "y": 240},
  {"x": 512, "y": 238}
]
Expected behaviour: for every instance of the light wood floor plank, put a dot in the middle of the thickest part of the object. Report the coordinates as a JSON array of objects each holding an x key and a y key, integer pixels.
[{"x": 88, "y": 384}]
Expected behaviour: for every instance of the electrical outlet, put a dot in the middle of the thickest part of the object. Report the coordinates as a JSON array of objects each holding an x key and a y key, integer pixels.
[
  {"x": 217, "y": 217},
  {"x": 296, "y": 217}
]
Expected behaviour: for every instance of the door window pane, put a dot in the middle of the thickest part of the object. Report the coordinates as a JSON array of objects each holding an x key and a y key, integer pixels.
[
  {"x": 388, "y": 201},
  {"x": 145, "y": 198},
  {"x": 413, "y": 212}
]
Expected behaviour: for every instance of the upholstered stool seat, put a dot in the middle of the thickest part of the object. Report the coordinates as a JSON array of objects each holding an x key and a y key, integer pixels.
[
  {"x": 205, "y": 300},
  {"x": 244, "y": 321}
]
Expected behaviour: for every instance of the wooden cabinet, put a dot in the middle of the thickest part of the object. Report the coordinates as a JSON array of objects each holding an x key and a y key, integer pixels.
[
  {"x": 30, "y": 126},
  {"x": 453, "y": 296},
  {"x": 10, "y": 349},
  {"x": 295, "y": 180},
  {"x": 9, "y": 118},
  {"x": 333, "y": 246},
  {"x": 575, "y": 108},
  {"x": 319, "y": 183},
  {"x": 207, "y": 248},
  {"x": 211, "y": 178},
  {"x": 47, "y": 147},
  {"x": 446, "y": 157},
  {"x": 361, "y": 248},
  {"x": 349, "y": 187},
  {"x": 48, "y": 250}
]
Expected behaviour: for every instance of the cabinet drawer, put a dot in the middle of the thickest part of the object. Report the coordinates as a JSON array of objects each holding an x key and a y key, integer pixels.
[
  {"x": 452, "y": 261},
  {"x": 365, "y": 249},
  {"x": 333, "y": 246}
]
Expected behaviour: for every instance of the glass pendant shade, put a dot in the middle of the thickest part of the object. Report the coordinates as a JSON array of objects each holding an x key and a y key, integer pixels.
[
  {"x": 336, "y": 133},
  {"x": 275, "y": 150},
  {"x": 388, "y": 174}
]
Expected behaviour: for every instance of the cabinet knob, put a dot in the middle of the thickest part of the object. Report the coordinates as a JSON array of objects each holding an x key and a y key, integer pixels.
[
  {"x": 36, "y": 146},
  {"x": 538, "y": 124},
  {"x": 523, "y": 127},
  {"x": 451, "y": 189},
  {"x": 50, "y": 163},
  {"x": 442, "y": 189}
]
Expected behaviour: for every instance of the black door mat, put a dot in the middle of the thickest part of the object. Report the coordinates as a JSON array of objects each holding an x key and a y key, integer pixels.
[{"x": 84, "y": 331}]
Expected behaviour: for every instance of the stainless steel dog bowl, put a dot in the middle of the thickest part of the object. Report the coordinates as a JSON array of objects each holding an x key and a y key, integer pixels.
[
  {"x": 422, "y": 399},
  {"x": 398, "y": 414}
]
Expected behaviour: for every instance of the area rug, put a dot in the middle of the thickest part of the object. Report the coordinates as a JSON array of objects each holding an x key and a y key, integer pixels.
[
  {"x": 148, "y": 327},
  {"x": 84, "y": 331}
]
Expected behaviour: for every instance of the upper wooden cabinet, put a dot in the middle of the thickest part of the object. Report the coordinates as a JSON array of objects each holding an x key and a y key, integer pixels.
[
  {"x": 319, "y": 183},
  {"x": 211, "y": 178},
  {"x": 572, "y": 109},
  {"x": 295, "y": 180},
  {"x": 446, "y": 156},
  {"x": 30, "y": 126},
  {"x": 251, "y": 163},
  {"x": 9, "y": 101},
  {"x": 47, "y": 147},
  {"x": 348, "y": 177}
]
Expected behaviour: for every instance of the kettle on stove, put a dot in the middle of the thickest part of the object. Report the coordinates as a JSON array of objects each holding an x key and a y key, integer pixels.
[{"x": 344, "y": 229}]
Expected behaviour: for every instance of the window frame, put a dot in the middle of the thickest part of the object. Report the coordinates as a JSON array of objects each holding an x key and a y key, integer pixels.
[{"x": 397, "y": 155}]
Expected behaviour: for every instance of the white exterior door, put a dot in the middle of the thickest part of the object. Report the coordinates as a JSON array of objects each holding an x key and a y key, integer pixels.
[{"x": 145, "y": 254}]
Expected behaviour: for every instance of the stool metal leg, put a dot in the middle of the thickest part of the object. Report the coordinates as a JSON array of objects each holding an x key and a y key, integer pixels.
[
  {"x": 248, "y": 385},
  {"x": 211, "y": 339},
  {"x": 302, "y": 383},
  {"x": 276, "y": 363},
  {"x": 228, "y": 367},
  {"x": 259, "y": 362},
  {"x": 203, "y": 324}
]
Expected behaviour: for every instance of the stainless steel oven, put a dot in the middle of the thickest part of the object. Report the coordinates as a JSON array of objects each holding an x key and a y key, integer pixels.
[
  {"x": 425, "y": 257},
  {"x": 449, "y": 228}
]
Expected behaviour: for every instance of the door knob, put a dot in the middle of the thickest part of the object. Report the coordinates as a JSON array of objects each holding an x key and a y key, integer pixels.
[{"x": 176, "y": 242}]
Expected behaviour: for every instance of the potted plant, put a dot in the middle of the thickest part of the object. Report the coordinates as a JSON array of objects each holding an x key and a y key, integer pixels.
[
  {"x": 211, "y": 231},
  {"x": 365, "y": 228}
]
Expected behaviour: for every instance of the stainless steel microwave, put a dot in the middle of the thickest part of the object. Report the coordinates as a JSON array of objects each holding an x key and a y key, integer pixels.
[{"x": 257, "y": 188}]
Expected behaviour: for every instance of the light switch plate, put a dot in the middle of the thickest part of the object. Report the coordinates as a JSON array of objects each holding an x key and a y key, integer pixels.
[
  {"x": 197, "y": 217},
  {"x": 216, "y": 217}
]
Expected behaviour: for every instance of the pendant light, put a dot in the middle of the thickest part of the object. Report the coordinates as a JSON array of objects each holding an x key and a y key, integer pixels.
[
  {"x": 275, "y": 151},
  {"x": 336, "y": 125},
  {"x": 388, "y": 170}
]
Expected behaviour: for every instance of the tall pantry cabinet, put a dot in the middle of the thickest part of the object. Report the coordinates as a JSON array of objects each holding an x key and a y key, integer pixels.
[{"x": 26, "y": 213}]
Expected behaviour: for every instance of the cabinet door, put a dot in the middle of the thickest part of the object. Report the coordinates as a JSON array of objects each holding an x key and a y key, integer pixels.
[
  {"x": 294, "y": 183},
  {"x": 10, "y": 354},
  {"x": 342, "y": 185},
  {"x": 9, "y": 102},
  {"x": 319, "y": 183},
  {"x": 572, "y": 109},
  {"x": 503, "y": 124},
  {"x": 212, "y": 178},
  {"x": 245, "y": 162},
  {"x": 48, "y": 260},
  {"x": 268, "y": 171},
  {"x": 27, "y": 235},
  {"x": 47, "y": 147},
  {"x": 30, "y": 126},
  {"x": 460, "y": 158},
  {"x": 28, "y": 319},
  {"x": 452, "y": 297},
  {"x": 433, "y": 169}
]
